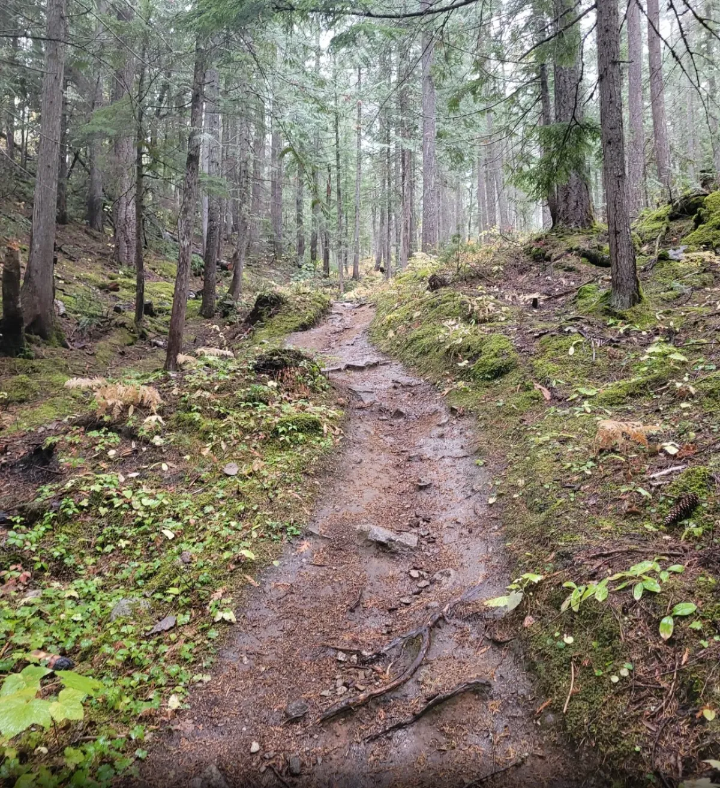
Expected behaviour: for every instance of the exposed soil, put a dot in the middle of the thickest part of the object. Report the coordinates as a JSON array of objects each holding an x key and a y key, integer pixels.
[{"x": 408, "y": 465}]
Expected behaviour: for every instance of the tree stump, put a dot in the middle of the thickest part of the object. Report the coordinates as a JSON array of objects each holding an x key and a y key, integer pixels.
[{"x": 12, "y": 335}]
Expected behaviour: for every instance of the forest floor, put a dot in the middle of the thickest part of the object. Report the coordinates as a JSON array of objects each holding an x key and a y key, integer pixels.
[{"x": 312, "y": 634}]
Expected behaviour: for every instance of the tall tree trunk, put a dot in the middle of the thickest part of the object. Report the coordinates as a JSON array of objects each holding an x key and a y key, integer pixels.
[
  {"x": 10, "y": 98},
  {"x": 212, "y": 246},
  {"x": 62, "y": 212},
  {"x": 300, "y": 214},
  {"x": 492, "y": 217},
  {"x": 187, "y": 212},
  {"x": 483, "y": 223},
  {"x": 242, "y": 203},
  {"x": 38, "y": 291},
  {"x": 258, "y": 177},
  {"x": 95, "y": 179},
  {"x": 276, "y": 179},
  {"x": 12, "y": 336},
  {"x": 316, "y": 207},
  {"x": 657, "y": 99},
  {"x": 405, "y": 177},
  {"x": 358, "y": 176},
  {"x": 326, "y": 223},
  {"x": 140, "y": 194},
  {"x": 546, "y": 116},
  {"x": 636, "y": 152},
  {"x": 709, "y": 51},
  {"x": 338, "y": 197},
  {"x": 124, "y": 154},
  {"x": 430, "y": 192},
  {"x": 573, "y": 197},
  {"x": 625, "y": 285}
]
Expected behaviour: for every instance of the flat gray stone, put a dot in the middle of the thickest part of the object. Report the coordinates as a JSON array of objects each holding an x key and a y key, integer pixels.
[
  {"x": 387, "y": 538},
  {"x": 129, "y": 607},
  {"x": 212, "y": 777}
]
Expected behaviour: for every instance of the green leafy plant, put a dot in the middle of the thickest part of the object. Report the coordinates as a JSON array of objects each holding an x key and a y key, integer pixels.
[{"x": 20, "y": 708}]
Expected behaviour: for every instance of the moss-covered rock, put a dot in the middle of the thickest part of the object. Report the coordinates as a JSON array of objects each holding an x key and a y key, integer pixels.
[
  {"x": 696, "y": 480},
  {"x": 652, "y": 224},
  {"x": 304, "y": 423},
  {"x": 497, "y": 358},
  {"x": 707, "y": 221},
  {"x": 621, "y": 391}
]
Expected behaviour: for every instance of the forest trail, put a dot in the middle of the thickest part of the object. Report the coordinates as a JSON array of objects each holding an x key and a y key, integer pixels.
[{"x": 407, "y": 465}]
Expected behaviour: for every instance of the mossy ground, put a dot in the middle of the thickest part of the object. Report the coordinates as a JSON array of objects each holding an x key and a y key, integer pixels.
[
  {"x": 129, "y": 508},
  {"x": 573, "y": 514}
]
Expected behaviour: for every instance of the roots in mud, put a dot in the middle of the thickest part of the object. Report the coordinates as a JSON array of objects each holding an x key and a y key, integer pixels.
[
  {"x": 424, "y": 633},
  {"x": 275, "y": 362}
]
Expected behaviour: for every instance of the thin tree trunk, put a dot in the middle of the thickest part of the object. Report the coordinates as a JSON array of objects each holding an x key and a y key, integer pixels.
[
  {"x": 492, "y": 217},
  {"x": 636, "y": 152},
  {"x": 276, "y": 176},
  {"x": 139, "y": 195},
  {"x": 338, "y": 197},
  {"x": 709, "y": 47},
  {"x": 546, "y": 115},
  {"x": 187, "y": 212},
  {"x": 95, "y": 179},
  {"x": 657, "y": 99},
  {"x": 12, "y": 336},
  {"x": 62, "y": 213},
  {"x": 212, "y": 245},
  {"x": 326, "y": 224},
  {"x": 124, "y": 153},
  {"x": 358, "y": 176},
  {"x": 573, "y": 197},
  {"x": 430, "y": 194},
  {"x": 10, "y": 102},
  {"x": 483, "y": 223},
  {"x": 38, "y": 291},
  {"x": 241, "y": 216},
  {"x": 300, "y": 213},
  {"x": 258, "y": 185},
  {"x": 625, "y": 285}
]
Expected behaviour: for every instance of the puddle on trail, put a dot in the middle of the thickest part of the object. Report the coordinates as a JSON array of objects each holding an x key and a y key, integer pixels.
[{"x": 409, "y": 466}]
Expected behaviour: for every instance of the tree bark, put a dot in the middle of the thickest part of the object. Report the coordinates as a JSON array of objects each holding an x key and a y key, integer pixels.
[
  {"x": 657, "y": 99},
  {"x": 358, "y": 177},
  {"x": 326, "y": 223},
  {"x": 636, "y": 152},
  {"x": 625, "y": 286},
  {"x": 62, "y": 212},
  {"x": 212, "y": 245},
  {"x": 429, "y": 131},
  {"x": 709, "y": 51},
  {"x": 139, "y": 195},
  {"x": 124, "y": 153},
  {"x": 573, "y": 197},
  {"x": 300, "y": 214},
  {"x": 338, "y": 197},
  {"x": 12, "y": 336},
  {"x": 38, "y": 291},
  {"x": 258, "y": 176},
  {"x": 95, "y": 178},
  {"x": 187, "y": 212},
  {"x": 276, "y": 176},
  {"x": 546, "y": 117}
]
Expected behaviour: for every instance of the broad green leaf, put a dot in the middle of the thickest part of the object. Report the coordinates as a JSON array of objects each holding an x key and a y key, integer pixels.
[
  {"x": 709, "y": 714},
  {"x": 601, "y": 592},
  {"x": 17, "y": 714},
  {"x": 72, "y": 680},
  {"x": 248, "y": 554},
  {"x": 511, "y": 601},
  {"x": 27, "y": 682},
  {"x": 642, "y": 567},
  {"x": 68, "y": 706},
  {"x": 651, "y": 585},
  {"x": 638, "y": 589},
  {"x": 679, "y": 568},
  {"x": 666, "y": 627},
  {"x": 684, "y": 609}
]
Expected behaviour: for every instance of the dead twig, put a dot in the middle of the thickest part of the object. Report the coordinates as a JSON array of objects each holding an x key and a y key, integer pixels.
[
  {"x": 517, "y": 762},
  {"x": 572, "y": 687},
  {"x": 279, "y": 776},
  {"x": 476, "y": 685}
]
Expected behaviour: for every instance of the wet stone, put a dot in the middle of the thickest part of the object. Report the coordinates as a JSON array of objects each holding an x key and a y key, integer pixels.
[
  {"x": 294, "y": 766},
  {"x": 388, "y": 539},
  {"x": 296, "y": 709},
  {"x": 211, "y": 778}
]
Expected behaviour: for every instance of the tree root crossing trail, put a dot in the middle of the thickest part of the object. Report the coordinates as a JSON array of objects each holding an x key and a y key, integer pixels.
[{"x": 364, "y": 658}]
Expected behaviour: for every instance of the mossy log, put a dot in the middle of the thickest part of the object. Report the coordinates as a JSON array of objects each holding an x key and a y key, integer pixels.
[
  {"x": 595, "y": 257},
  {"x": 266, "y": 306},
  {"x": 687, "y": 204}
]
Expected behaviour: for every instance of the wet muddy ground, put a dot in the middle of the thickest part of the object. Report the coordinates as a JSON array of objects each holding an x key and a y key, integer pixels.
[{"x": 409, "y": 466}]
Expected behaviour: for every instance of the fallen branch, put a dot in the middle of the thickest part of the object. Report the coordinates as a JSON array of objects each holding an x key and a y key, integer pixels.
[
  {"x": 667, "y": 471},
  {"x": 469, "y": 686},
  {"x": 423, "y": 631}
]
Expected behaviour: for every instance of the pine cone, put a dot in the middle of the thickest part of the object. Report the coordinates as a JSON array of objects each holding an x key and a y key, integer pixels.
[{"x": 684, "y": 507}]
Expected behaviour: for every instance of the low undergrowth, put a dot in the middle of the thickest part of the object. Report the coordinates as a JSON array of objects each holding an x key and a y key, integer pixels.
[
  {"x": 603, "y": 428},
  {"x": 155, "y": 499}
]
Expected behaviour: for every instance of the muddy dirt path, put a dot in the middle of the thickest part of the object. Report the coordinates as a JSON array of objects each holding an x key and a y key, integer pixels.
[{"x": 408, "y": 465}]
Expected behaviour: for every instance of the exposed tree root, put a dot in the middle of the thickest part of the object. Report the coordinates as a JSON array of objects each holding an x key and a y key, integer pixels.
[
  {"x": 476, "y": 685},
  {"x": 518, "y": 762},
  {"x": 423, "y": 631}
]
